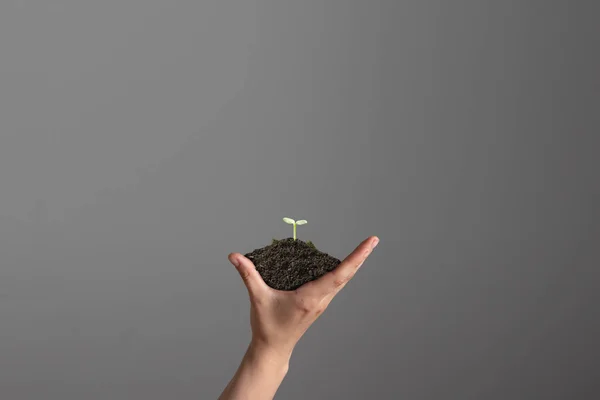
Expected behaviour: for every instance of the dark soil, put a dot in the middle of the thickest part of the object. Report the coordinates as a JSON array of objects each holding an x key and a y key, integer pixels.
[{"x": 288, "y": 264}]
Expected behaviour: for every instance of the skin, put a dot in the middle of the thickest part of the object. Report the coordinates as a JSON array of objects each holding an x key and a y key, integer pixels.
[{"x": 279, "y": 319}]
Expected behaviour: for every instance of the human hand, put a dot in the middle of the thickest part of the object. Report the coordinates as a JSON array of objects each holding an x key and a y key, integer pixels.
[{"x": 280, "y": 318}]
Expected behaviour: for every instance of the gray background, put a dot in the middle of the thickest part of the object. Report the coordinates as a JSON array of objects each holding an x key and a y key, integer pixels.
[{"x": 142, "y": 141}]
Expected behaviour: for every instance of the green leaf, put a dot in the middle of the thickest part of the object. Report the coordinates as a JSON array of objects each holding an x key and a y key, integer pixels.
[
  {"x": 289, "y": 221},
  {"x": 301, "y": 222}
]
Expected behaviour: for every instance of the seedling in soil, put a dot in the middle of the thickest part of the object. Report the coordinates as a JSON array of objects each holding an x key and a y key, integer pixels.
[
  {"x": 287, "y": 264},
  {"x": 295, "y": 223}
]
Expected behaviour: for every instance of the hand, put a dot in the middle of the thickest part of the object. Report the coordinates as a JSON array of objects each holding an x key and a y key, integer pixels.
[{"x": 280, "y": 318}]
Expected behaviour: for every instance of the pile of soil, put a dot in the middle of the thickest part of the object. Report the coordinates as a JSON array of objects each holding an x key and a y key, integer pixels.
[{"x": 287, "y": 264}]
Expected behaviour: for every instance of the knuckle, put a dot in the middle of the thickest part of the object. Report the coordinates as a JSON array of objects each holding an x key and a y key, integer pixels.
[
  {"x": 341, "y": 280},
  {"x": 319, "y": 310},
  {"x": 306, "y": 305}
]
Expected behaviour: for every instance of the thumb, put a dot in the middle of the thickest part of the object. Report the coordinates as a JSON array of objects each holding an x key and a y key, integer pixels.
[{"x": 250, "y": 276}]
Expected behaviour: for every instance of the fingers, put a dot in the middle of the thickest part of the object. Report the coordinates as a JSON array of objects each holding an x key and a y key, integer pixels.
[
  {"x": 254, "y": 283},
  {"x": 334, "y": 281}
]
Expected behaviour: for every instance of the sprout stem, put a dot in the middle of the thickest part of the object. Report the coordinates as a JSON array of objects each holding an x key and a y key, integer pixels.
[{"x": 294, "y": 231}]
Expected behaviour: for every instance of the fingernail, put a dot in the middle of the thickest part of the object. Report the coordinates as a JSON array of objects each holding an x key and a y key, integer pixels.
[
  {"x": 374, "y": 243},
  {"x": 234, "y": 261}
]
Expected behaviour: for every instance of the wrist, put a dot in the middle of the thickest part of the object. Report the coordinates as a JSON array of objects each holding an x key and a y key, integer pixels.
[{"x": 269, "y": 356}]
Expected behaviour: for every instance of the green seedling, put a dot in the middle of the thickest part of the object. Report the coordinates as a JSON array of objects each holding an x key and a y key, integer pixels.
[{"x": 295, "y": 223}]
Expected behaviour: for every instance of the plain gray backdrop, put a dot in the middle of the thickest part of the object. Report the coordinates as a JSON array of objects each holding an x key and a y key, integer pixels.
[{"x": 142, "y": 141}]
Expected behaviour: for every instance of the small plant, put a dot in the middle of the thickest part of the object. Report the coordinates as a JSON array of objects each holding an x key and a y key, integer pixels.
[{"x": 295, "y": 223}]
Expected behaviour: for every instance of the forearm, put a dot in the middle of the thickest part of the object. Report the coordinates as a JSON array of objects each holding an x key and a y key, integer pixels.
[{"x": 259, "y": 375}]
